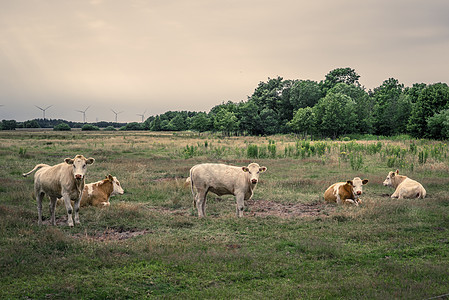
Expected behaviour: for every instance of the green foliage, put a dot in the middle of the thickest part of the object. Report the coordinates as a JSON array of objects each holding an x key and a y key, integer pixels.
[
  {"x": 438, "y": 125},
  {"x": 132, "y": 126},
  {"x": 432, "y": 100},
  {"x": 62, "y": 127},
  {"x": 90, "y": 127},
  {"x": 356, "y": 161},
  {"x": 252, "y": 151},
  {"x": 109, "y": 128},
  {"x": 335, "y": 115},
  {"x": 8, "y": 125}
]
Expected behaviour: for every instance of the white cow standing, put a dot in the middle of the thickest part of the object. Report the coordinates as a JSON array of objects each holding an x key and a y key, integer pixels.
[
  {"x": 404, "y": 187},
  {"x": 64, "y": 180},
  {"x": 223, "y": 179}
]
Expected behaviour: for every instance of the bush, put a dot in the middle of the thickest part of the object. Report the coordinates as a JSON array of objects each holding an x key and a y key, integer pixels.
[
  {"x": 62, "y": 127},
  {"x": 132, "y": 126},
  {"x": 110, "y": 128},
  {"x": 89, "y": 127}
]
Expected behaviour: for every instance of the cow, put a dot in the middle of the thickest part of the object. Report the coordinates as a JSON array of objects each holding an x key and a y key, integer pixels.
[
  {"x": 404, "y": 187},
  {"x": 98, "y": 193},
  {"x": 64, "y": 180},
  {"x": 345, "y": 192},
  {"x": 222, "y": 179}
]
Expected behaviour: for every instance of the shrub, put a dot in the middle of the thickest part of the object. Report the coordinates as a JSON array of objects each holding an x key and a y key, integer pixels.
[
  {"x": 89, "y": 127},
  {"x": 110, "y": 128},
  {"x": 62, "y": 127}
]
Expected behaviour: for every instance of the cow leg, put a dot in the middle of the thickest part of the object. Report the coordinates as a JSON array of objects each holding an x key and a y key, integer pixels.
[
  {"x": 52, "y": 206},
  {"x": 77, "y": 210},
  {"x": 338, "y": 199},
  {"x": 240, "y": 204},
  {"x": 68, "y": 207},
  {"x": 200, "y": 199},
  {"x": 39, "y": 197}
]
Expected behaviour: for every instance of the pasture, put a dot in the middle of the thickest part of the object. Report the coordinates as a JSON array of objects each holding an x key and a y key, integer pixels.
[{"x": 290, "y": 244}]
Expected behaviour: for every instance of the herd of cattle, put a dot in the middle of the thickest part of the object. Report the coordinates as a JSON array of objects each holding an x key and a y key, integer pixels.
[{"x": 66, "y": 181}]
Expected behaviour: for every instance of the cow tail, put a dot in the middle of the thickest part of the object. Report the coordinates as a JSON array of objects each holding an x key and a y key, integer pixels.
[
  {"x": 35, "y": 168},
  {"x": 191, "y": 187}
]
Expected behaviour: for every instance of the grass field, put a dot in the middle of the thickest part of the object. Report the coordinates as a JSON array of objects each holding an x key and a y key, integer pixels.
[{"x": 289, "y": 245}]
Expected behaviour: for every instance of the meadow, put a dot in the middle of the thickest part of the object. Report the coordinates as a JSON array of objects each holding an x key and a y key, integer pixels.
[{"x": 290, "y": 244}]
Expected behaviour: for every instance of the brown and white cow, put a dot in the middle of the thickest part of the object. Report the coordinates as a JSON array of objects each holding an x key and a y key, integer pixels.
[
  {"x": 345, "y": 192},
  {"x": 64, "y": 180},
  {"x": 404, "y": 187},
  {"x": 98, "y": 193},
  {"x": 222, "y": 179}
]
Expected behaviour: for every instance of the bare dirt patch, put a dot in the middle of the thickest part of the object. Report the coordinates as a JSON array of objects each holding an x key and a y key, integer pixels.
[{"x": 262, "y": 208}]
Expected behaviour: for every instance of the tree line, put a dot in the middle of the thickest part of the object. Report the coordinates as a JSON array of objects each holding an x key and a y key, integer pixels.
[{"x": 338, "y": 105}]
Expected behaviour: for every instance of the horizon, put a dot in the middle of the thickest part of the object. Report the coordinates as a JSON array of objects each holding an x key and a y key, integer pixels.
[{"x": 158, "y": 56}]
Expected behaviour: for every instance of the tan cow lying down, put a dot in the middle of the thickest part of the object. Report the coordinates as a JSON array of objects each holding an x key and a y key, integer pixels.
[
  {"x": 405, "y": 187},
  {"x": 64, "y": 180},
  {"x": 345, "y": 192},
  {"x": 222, "y": 179},
  {"x": 98, "y": 193}
]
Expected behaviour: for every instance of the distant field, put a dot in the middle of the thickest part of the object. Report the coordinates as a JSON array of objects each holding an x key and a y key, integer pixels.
[{"x": 290, "y": 244}]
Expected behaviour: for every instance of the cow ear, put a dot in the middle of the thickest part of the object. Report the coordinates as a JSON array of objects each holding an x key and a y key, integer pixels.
[
  {"x": 262, "y": 169},
  {"x": 245, "y": 169},
  {"x": 90, "y": 160},
  {"x": 365, "y": 181},
  {"x": 397, "y": 171},
  {"x": 110, "y": 178},
  {"x": 392, "y": 174},
  {"x": 69, "y": 161},
  {"x": 349, "y": 182}
]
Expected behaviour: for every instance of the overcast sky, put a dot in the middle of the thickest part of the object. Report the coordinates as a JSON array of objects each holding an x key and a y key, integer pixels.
[{"x": 158, "y": 55}]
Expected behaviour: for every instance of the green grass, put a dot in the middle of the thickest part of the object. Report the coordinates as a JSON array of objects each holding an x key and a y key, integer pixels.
[{"x": 383, "y": 249}]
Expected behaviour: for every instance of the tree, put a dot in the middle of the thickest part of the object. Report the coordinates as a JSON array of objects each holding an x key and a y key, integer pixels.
[
  {"x": 226, "y": 122},
  {"x": 275, "y": 96},
  {"x": 269, "y": 121},
  {"x": 132, "y": 126},
  {"x": 62, "y": 127},
  {"x": 178, "y": 123},
  {"x": 303, "y": 121},
  {"x": 432, "y": 100},
  {"x": 363, "y": 105},
  {"x": 340, "y": 75},
  {"x": 387, "y": 104},
  {"x": 249, "y": 118},
  {"x": 201, "y": 122},
  {"x": 438, "y": 125},
  {"x": 156, "y": 124},
  {"x": 31, "y": 124},
  {"x": 9, "y": 125},
  {"x": 334, "y": 115},
  {"x": 305, "y": 93},
  {"x": 89, "y": 127}
]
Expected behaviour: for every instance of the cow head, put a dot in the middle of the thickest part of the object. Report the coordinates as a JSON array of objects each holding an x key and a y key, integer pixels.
[
  {"x": 79, "y": 165},
  {"x": 116, "y": 187},
  {"x": 390, "y": 177},
  {"x": 254, "y": 170},
  {"x": 349, "y": 187},
  {"x": 357, "y": 184}
]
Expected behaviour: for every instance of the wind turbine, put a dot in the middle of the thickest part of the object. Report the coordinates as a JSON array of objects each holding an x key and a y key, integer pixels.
[
  {"x": 116, "y": 113},
  {"x": 142, "y": 115},
  {"x": 84, "y": 113},
  {"x": 44, "y": 109}
]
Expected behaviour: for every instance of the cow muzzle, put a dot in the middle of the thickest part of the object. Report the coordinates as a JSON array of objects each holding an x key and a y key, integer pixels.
[
  {"x": 78, "y": 176},
  {"x": 254, "y": 181},
  {"x": 358, "y": 192}
]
